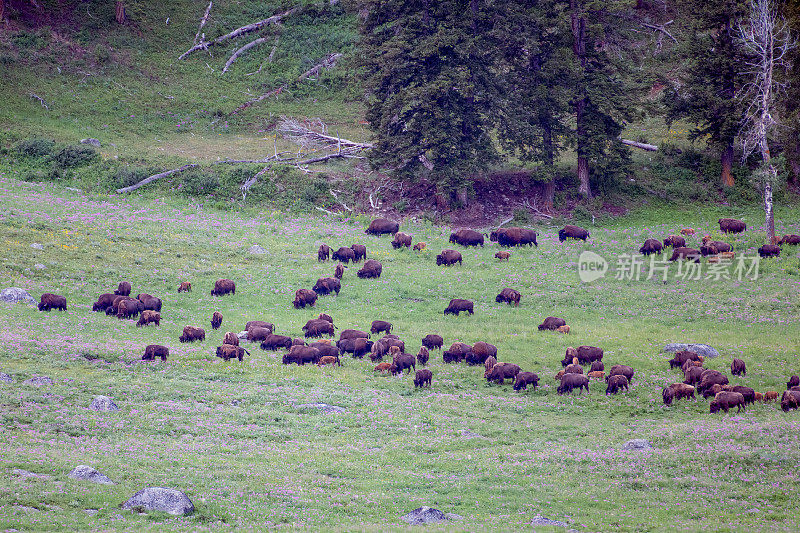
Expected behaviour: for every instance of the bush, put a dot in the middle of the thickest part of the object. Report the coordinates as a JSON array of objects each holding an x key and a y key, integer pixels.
[
  {"x": 199, "y": 182},
  {"x": 75, "y": 155},
  {"x": 36, "y": 147}
]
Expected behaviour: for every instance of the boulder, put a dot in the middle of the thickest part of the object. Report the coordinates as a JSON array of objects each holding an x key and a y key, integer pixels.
[
  {"x": 87, "y": 473},
  {"x": 16, "y": 295},
  {"x": 92, "y": 142},
  {"x": 39, "y": 266},
  {"x": 37, "y": 246},
  {"x": 38, "y": 381},
  {"x": 256, "y": 249},
  {"x": 700, "y": 349},
  {"x": 103, "y": 403},
  {"x": 540, "y": 520},
  {"x": 6, "y": 378},
  {"x": 161, "y": 499},
  {"x": 637, "y": 444},
  {"x": 428, "y": 515}
]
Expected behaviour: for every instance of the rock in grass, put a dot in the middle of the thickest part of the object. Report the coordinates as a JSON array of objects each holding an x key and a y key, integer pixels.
[
  {"x": 540, "y": 520},
  {"x": 38, "y": 381},
  {"x": 700, "y": 349},
  {"x": 103, "y": 403},
  {"x": 26, "y": 474},
  {"x": 324, "y": 407},
  {"x": 39, "y": 266},
  {"x": 256, "y": 249},
  {"x": 161, "y": 499},
  {"x": 92, "y": 142},
  {"x": 16, "y": 295},
  {"x": 6, "y": 378},
  {"x": 37, "y": 246},
  {"x": 428, "y": 515},
  {"x": 87, "y": 473},
  {"x": 637, "y": 444}
]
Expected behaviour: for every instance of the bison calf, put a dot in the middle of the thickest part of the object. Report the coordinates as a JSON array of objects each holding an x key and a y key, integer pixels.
[
  {"x": 216, "y": 320},
  {"x": 423, "y": 378},
  {"x": 149, "y": 317},
  {"x": 185, "y": 287},
  {"x": 509, "y": 296}
]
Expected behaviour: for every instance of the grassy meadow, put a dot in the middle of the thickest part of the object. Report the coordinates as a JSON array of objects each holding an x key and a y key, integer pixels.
[{"x": 231, "y": 435}]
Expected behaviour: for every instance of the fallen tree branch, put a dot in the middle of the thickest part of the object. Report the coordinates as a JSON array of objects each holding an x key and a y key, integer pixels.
[
  {"x": 155, "y": 177},
  {"x": 318, "y": 208},
  {"x": 341, "y": 203},
  {"x": 274, "y": 19},
  {"x": 662, "y": 28},
  {"x": 506, "y": 221},
  {"x": 40, "y": 99},
  {"x": 643, "y": 146},
  {"x": 240, "y": 51},
  {"x": 274, "y": 49},
  {"x": 306, "y": 136},
  {"x": 203, "y": 22}
]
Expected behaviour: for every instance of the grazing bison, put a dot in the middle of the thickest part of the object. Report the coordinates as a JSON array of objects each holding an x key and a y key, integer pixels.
[
  {"x": 327, "y": 285},
  {"x": 380, "y": 325},
  {"x": 650, "y": 246},
  {"x": 621, "y": 370},
  {"x": 420, "y": 246},
  {"x": 304, "y": 297},
  {"x": 149, "y": 317},
  {"x": 258, "y": 324},
  {"x": 616, "y": 383},
  {"x": 360, "y": 252},
  {"x": 689, "y": 254},
  {"x": 192, "y": 333},
  {"x": 563, "y": 329},
  {"x": 155, "y": 350},
  {"x": 552, "y": 323},
  {"x": 383, "y": 367},
  {"x": 584, "y": 354},
  {"x": 790, "y": 400},
  {"x": 231, "y": 351},
  {"x": 456, "y": 353},
  {"x": 400, "y": 240},
  {"x": 738, "y": 368},
  {"x": 503, "y": 254},
  {"x": 448, "y": 258},
  {"x": 509, "y": 296},
  {"x": 687, "y": 231},
  {"x": 230, "y": 338},
  {"x": 457, "y": 305},
  {"x": 185, "y": 287},
  {"x": 677, "y": 391},
  {"x": 258, "y": 334},
  {"x": 731, "y": 225},
  {"x": 323, "y": 316},
  {"x": 683, "y": 356},
  {"x": 151, "y": 302},
  {"x": 362, "y": 347},
  {"x": 572, "y": 232},
  {"x": 674, "y": 241},
  {"x": 223, "y": 287},
  {"x": 480, "y": 352},
  {"x": 404, "y": 362},
  {"x": 324, "y": 252},
  {"x": 114, "y": 307},
  {"x": 123, "y": 289},
  {"x": 769, "y": 250},
  {"x": 380, "y": 226},
  {"x": 339, "y": 272},
  {"x": 770, "y": 396},
  {"x": 569, "y": 382},
  {"x": 597, "y": 366},
  {"x": 344, "y": 254},
  {"x": 693, "y": 375},
  {"x": 423, "y": 378},
  {"x": 710, "y": 378},
  {"x": 793, "y": 240},
  {"x": 467, "y": 237},
  {"x": 748, "y": 393},
  {"x": 433, "y": 341},
  {"x": 129, "y": 308},
  {"x": 332, "y": 360},
  {"x": 50, "y": 301},
  {"x": 325, "y": 349},
  {"x": 273, "y": 342},
  {"x": 502, "y": 371},
  {"x": 524, "y": 379},
  {"x": 353, "y": 334},
  {"x": 727, "y": 400},
  {"x": 103, "y": 302},
  {"x": 318, "y": 327},
  {"x": 597, "y": 374},
  {"x": 371, "y": 269},
  {"x": 514, "y": 237},
  {"x": 573, "y": 368},
  {"x": 216, "y": 320},
  {"x": 794, "y": 381},
  {"x": 423, "y": 356},
  {"x": 301, "y": 355}
]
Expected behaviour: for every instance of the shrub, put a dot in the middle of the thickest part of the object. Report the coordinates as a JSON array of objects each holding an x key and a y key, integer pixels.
[
  {"x": 199, "y": 182},
  {"x": 36, "y": 147},
  {"x": 75, "y": 155}
]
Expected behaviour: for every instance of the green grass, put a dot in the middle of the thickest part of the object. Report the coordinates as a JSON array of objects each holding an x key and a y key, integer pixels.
[{"x": 267, "y": 463}]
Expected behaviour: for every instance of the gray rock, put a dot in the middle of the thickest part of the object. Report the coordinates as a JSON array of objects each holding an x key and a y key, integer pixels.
[
  {"x": 37, "y": 246},
  {"x": 24, "y": 473},
  {"x": 39, "y": 266},
  {"x": 242, "y": 335},
  {"x": 6, "y": 378},
  {"x": 16, "y": 295},
  {"x": 91, "y": 512},
  {"x": 637, "y": 444},
  {"x": 256, "y": 249},
  {"x": 469, "y": 434},
  {"x": 324, "y": 407},
  {"x": 236, "y": 403},
  {"x": 424, "y": 515},
  {"x": 38, "y": 381},
  {"x": 169, "y": 501},
  {"x": 700, "y": 349},
  {"x": 93, "y": 142},
  {"x": 540, "y": 520},
  {"x": 103, "y": 403},
  {"x": 87, "y": 473}
]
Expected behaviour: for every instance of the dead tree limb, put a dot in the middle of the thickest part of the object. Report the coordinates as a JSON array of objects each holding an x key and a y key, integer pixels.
[
  {"x": 155, "y": 177},
  {"x": 662, "y": 28},
  {"x": 40, "y": 99},
  {"x": 240, "y": 51},
  {"x": 203, "y": 22},
  {"x": 643, "y": 146},
  {"x": 303, "y": 134},
  {"x": 274, "y": 19},
  {"x": 274, "y": 48}
]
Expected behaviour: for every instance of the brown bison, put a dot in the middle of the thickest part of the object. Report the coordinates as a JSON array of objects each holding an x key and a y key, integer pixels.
[
  {"x": 684, "y": 253},
  {"x": 123, "y": 289},
  {"x": 359, "y": 347},
  {"x": 769, "y": 250},
  {"x": 508, "y": 237},
  {"x": 149, "y": 317},
  {"x": 731, "y": 225},
  {"x": 223, "y": 287},
  {"x": 332, "y": 360},
  {"x": 103, "y": 302},
  {"x": 552, "y": 323},
  {"x": 677, "y": 391},
  {"x": 584, "y": 354},
  {"x": 693, "y": 375},
  {"x": 380, "y": 325},
  {"x": 524, "y": 379},
  {"x": 467, "y": 237},
  {"x": 344, "y": 254},
  {"x": 596, "y": 374},
  {"x": 216, "y": 320},
  {"x": 301, "y": 355},
  {"x": 509, "y": 296},
  {"x": 371, "y": 269},
  {"x": 317, "y": 327},
  {"x": 572, "y": 232},
  {"x": 423, "y": 356},
  {"x": 50, "y": 301},
  {"x": 502, "y": 371},
  {"x": 230, "y": 351},
  {"x": 382, "y": 367},
  {"x": 185, "y": 287},
  {"x": 748, "y": 393},
  {"x": 682, "y": 356},
  {"x": 155, "y": 350},
  {"x": 327, "y": 285},
  {"x": 457, "y": 305},
  {"x": 456, "y": 353},
  {"x": 324, "y": 252},
  {"x": 404, "y": 362},
  {"x": 114, "y": 307},
  {"x": 230, "y": 338},
  {"x": 794, "y": 381},
  {"x": 503, "y": 254},
  {"x": 687, "y": 231},
  {"x": 259, "y": 324},
  {"x": 793, "y": 240},
  {"x": 339, "y": 272},
  {"x": 790, "y": 400},
  {"x": 420, "y": 246},
  {"x": 597, "y": 366},
  {"x": 738, "y": 368},
  {"x": 151, "y": 302},
  {"x": 326, "y": 350},
  {"x": 563, "y": 329},
  {"x": 273, "y": 342},
  {"x": 573, "y": 368},
  {"x": 324, "y": 316},
  {"x": 304, "y": 297},
  {"x": 710, "y": 378},
  {"x": 380, "y": 226},
  {"x": 192, "y": 333},
  {"x": 650, "y": 246},
  {"x": 770, "y": 396},
  {"x": 727, "y": 400},
  {"x": 360, "y": 252},
  {"x": 675, "y": 241},
  {"x": 569, "y": 382},
  {"x": 616, "y": 383},
  {"x": 129, "y": 308},
  {"x": 448, "y": 258},
  {"x": 621, "y": 370},
  {"x": 480, "y": 352},
  {"x": 433, "y": 341},
  {"x": 400, "y": 240},
  {"x": 423, "y": 378},
  {"x": 258, "y": 334},
  {"x": 353, "y": 334}
]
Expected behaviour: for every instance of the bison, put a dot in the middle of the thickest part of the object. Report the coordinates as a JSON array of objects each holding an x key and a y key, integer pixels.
[
  {"x": 480, "y": 352},
  {"x": 456, "y": 353},
  {"x": 185, "y": 286},
  {"x": 790, "y": 400},
  {"x": 192, "y": 333},
  {"x": 693, "y": 375},
  {"x": 103, "y": 302},
  {"x": 616, "y": 383},
  {"x": 344, "y": 254},
  {"x": 727, "y": 400},
  {"x": 514, "y": 237},
  {"x": 710, "y": 378},
  {"x": 563, "y": 329},
  {"x": 371, "y": 269},
  {"x": 304, "y": 297},
  {"x": 155, "y": 350},
  {"x": 687, "y": 231},
  {"x": 457, "y": 305},
  {"x": 597, "y": 366},
  {"x": 677, "y": 391},
  {"x": 502, "y": 371},
  {"x": 339, "y": 271},
  {"x": 259, "y": 324},
  {"x": 324, "y": 252},
  {"x": 682, "y": 356},
  {"x": 423, "y": 378},
  {"x": 433, "y": 341},
  {"x": 551, "y": 323},
  {"x": 258, "y": 334},
  {"x": 738, "y": 368},
  {"x": 621, "y": 370},
  {"x": 380, "y": 325},
  {"x": 129, "y": 308},
  {"x": 524, "y": 379},
  {"x": 223, "y": 287},
  {"x": 794, "y": 381},
  {"x": 423, "y": 355},
  {"x": 769, "y": 250},
  {"x": 50, "y": 301},
  {"x": 685, "y": 253},
  {"x": 569, "y": 382},
  {"x": 353, "y": 334},
  {"x": 448, "y": 258},
  {"x": 731, "y": 225},
  {"x": 360, "y": 252},
  {"x": 404, "y": 362},
  {"x": 674, "y": 241},
  {"x": 149, "y": 317},
  {"x": 151, "y": 302},
  {"x": 327, "y": 285},
  {"x": 650, "y": 246},
  {"x": 748, "y": 393},
  {"x": 467, "y": 237},
  {"x": 301, "y": 355},
  {"x": 793, "y": 240},
  {"x": 123, "y": 289},
  {"x": 420, "y": 246},
  {"x": 273, "y": 342},
  {"x": 318, "y": 327},
  {"x": 230, "y": 351},
  {"x": 230, "y": 338},
  {"x": 573, "y": 368},
  {"x": 380, "y": 226},
  {"x": 400, "y": 240},
  {"x": 503, "y": 254},
  {"x": 509, "y": 296},
  {"x": 572, "y": 232},
  {"x": 324, "y": 316}
]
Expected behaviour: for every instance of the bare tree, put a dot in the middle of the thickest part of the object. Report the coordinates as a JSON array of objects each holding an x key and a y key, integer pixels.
[{"x": 767, "y": 39}]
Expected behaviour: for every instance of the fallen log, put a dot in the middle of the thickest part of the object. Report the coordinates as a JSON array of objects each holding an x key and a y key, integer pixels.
[
  {"x": 643, "y": 146},
  {"x": 203, "y": 21},
  {"x": 155, "y": 177},
  {"x": 240, "y": 51}
]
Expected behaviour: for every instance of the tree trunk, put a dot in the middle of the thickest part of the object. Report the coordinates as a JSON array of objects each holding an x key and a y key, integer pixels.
[
  {"x": 769, "y": 216},
  {"x": 549, "y": 159},
  {"x": 727, "y": 166},
  {"x": 2, "y": 10},
  {"x": 578, "y": 24},
  {"x": 120, "y": 12}
]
